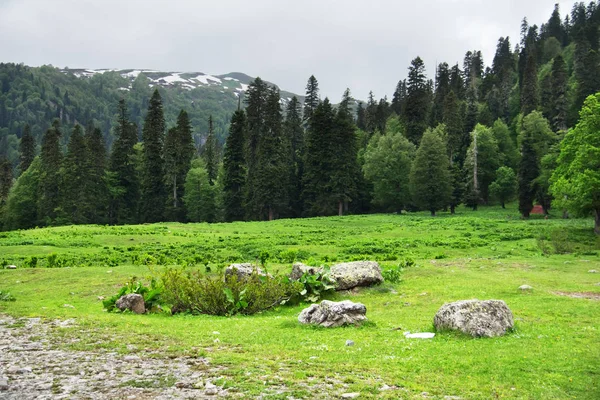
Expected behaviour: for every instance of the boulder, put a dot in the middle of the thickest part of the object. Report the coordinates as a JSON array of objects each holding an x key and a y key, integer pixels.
[
  {"x": 476, "y": 318},
  {"x": 243, "y": 271},
  {"x": 358, "y": 273},
  {"x": 331, "y": 314},
  {"x": 131, "y": 302},
  {"x": 299, "y": 269},
  {"x": 525, "y": 288},
  {"x": 11, "y": 267}
]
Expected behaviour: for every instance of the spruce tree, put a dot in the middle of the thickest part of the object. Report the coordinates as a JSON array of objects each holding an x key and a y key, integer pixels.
[
  {"x": 123, "y": 179},
  {"x": 26, "y": 149},
  {"x": 453, "y": 120},
  {"x": 199, "y": 196},
  {"x": 559, "y": 100},
  {"x": 153, "y": 193},
  {"x": 95, "y": 187},
  {"x": 234, "y": 168},
  {"x": 417, "y": 101},
  {"x": 179, "y": 151},
  {"x": 399, "y": 98},
  {"x": 49, "y": 181},
  {"x": 442, "y": 89},
  {"x": 429, "y": 180},
  {"x": 6, "y": 181},
  {"x": 311, "y": 100},
  {"x": 295, "y": 134},
  {"x": 529, "y": 90},
  {"x": 211, "y": 153},
  {"x": 74, "y": 179},
  {"x": 361, "y": 117},
  {"x": 529, "y": 170},
  {"x": 371, "y": 115}
]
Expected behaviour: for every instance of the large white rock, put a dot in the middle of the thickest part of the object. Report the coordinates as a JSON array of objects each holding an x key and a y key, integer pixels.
[
  {"x": 357, "y": 273},
  {"x": 476, "y": 318},
  {"x": 331, "y": 314}
]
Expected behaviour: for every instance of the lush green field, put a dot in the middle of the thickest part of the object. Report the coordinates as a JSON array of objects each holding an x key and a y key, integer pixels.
[{"x": 553, "y": 353}]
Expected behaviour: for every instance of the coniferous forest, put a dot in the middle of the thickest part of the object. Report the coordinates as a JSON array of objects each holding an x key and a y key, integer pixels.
[{"x": 522, "y": 126}]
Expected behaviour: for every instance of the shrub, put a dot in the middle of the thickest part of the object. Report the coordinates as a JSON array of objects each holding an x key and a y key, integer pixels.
[
  {"x": 314, "y": 286},
  {"x": 152, "y": 295},
  {"x": 196, "y": 293},
  {"x": 6, "y": 296}
]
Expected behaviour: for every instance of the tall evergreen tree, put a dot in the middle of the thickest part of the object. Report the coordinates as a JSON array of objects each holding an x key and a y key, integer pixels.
[
  {"x": 429, "y": 175},
  {"x": 417, "y": 101},
  {"x": 311, "y": 100},
  {"x": 199, "y": 197},
  {"x": 22, "y": 203},
  {"x": 179, "y": 151},
  {"x": 559, "y": 100},
  {"x": 234, "y": 168},
  {"x": 6, "y": 181},
  {"x": 442, "y": 89},
  {"x": 529, "y": 170},
  {"x": 361, "y": 117},
  {"x": 529, "y": 90},
  {"x": 399, "y": 98},
  {"x": 454, "y": 127},
  {"x": 293, "y": 131},
  {"x": 74, "y": 179},
  {"x": 211, "y": 153},
  {"x": 95, "y": 187},
  {"x": 26, "y": 149},
  {"x": 49, "y": 181},
  {"x": 123, "y": 180},
  {"x": 153, "y": 193}
]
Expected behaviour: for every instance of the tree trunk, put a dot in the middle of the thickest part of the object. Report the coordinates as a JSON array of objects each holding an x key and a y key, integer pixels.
[
  {"x": 503, "y": 207},
  {"x": 270, "y": 214},
  {"x": 174, "y": 192},
  {"x": 340, "y": 208},
  {"x": 433, "y": 213},
  {"x": 475, "y": 207},
  {"x": 525, "y": 215},
  {"x": 452, "y": 210},
  {"x": 597, "y": 224}
]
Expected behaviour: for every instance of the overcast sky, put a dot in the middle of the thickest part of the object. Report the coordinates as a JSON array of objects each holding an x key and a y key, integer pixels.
[{"x": 361, "y": 44}]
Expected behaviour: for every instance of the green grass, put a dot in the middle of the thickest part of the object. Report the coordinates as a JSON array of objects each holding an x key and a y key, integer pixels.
[{"x": 553, "y": 352}]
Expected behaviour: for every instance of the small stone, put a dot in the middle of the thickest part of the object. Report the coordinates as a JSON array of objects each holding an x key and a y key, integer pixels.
[
  {"x": 350, "y": 395},
  {"x": 68, "y": 306},
  {"x": 100, "y": 298},
  {"x": 217, "y": 340},
  {"x": 11, "y": 267},
  {"x": 216, "y": 333},
  {"x": 525, "y": 287},
  {"x": 198, "y": 385},
  {"x": 210, "y": 389},
  {"x": 133, "y": 302},
  {"x": 131, "y": 358},
  {"x": 349, "y": 342},
  {"x": 593, "y": 271},
  {"x": 24, "y": 370},
  {"x": 182, "y": 385},
  {"x": 384, "y": 388},
  {"x": 3, "y": 383}
]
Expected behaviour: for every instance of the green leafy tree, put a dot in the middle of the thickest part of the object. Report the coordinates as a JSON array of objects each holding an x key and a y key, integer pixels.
[
  {"x": 50, "y": 163},
  {"x": 26, "y": 149},
  {"x": 575, "y": 183},
  {"x": 504, "y": 188},
  {"x": 234, "y": 169},
  {"x": 153, "y": 192},
  {"x": 480, "y": 166},
  {"x": 21, "y": 205},
  {"x": 74, "y": 179},
  {"x": 199, "y": 197},
  {"x": 388, "y": 160},
  {"x": 429, "y": 178},
  {"x": 507, "y": 151}
]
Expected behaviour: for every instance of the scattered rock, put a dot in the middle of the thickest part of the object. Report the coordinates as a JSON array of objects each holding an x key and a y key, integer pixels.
[
  {"x": 68, "y": 306},
  {"x": 11, "y": 267},
  {"x": 210, "y": 389},
  {"x": 243, "y": 271},
  {"x": 349, "y": 342},
  {"x": 420, "y": 335},
  {"x": 357, "y": 273},
  {"x": 332, "y": 314},
  {"x": 100, "y": 298},
  {"x": 299, "y": 269},
  {"x": 525, "y": 288},
  {"x": 350, "y": 395},
  {"x": 182, "y": 385},
  {"x": 477, "y": 318},
  {"x": 3, "y": 383},
  {"x": 593, "y": 271},
  {"x": 24, "y": 370},
  {"x": 132, "y": 302}
]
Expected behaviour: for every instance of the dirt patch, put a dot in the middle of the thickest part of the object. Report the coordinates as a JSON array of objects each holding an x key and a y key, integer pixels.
[{"x": 580, "y": 295}]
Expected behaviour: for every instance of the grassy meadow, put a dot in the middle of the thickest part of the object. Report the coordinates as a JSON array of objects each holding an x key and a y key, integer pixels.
[{"x": 553, "y": 352}]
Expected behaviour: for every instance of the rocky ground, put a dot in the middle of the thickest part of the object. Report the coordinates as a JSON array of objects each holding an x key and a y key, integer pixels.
[{"x": 32, "y": 367}]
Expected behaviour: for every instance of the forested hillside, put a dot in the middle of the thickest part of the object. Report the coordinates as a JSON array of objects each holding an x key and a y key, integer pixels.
[{"x": 473, "y": 134}]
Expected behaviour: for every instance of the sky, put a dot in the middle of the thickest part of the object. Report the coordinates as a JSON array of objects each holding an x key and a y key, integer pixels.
[{"x": 360, "y": 44}]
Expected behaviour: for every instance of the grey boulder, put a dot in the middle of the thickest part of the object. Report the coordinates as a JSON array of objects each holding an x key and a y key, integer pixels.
[
  {"x": 131, "y": 302},
  {"x": 299, "y": 269},
  {"x": 358, "y": 273},
  {"x": 332, "y": 314},
  {"x": 476, "y": 318},
  {"x": 243, "y": 271}
]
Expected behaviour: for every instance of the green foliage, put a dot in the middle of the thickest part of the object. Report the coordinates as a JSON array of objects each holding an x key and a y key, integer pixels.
[
  {"x": 315, "y": 286},
  {"x": 196, "y": 293},
  {"x": 393, "y": 275},
  {"x": 480, "y": 166},
  {"x": 152, "y": 295},
  {"x": 199, "y": 196},
  {"x": 504, "y": 188},
  {"x": 21, "y": 205},
  {"x": 6, "y": 296},
  {"x": 416, "y": 111}
]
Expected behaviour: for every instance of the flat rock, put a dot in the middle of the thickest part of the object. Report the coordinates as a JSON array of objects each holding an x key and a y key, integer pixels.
[
  {"x": 11, "y": 267},
  {"x": 419, "y": 335},
  {"x": 299, "y": 269},
  {"x": 243, "y": 271},
  {"x": 525, "y": 287},
  {"x": 358, "y": 273},
  {"x": 350, "y": 395},
  {"x": 132, "y": 302},
  {"x": 476, "y": 318},
  {"x": 333, "y": 314},
  {"x": 593, "y": 271}
]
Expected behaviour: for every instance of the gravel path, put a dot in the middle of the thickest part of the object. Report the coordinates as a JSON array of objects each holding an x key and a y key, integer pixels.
[{"x": 31, "y": 367}]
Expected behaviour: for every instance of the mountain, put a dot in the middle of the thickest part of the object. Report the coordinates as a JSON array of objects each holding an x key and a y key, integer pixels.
[{"x": 37, "y": 95}]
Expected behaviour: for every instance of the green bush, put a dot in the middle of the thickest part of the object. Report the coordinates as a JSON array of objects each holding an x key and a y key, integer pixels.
[
  {"x": 152, "y": 295},
  {"x": 196, "y": 293},
  {"x": 5, "y": 296},
  {"x": 314, "y": 286}
]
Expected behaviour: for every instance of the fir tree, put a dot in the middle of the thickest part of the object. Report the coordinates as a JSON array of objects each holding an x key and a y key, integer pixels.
[
  {"x": 75, "y": 178},
  {"x": 529, "y": 90},
  {"x": 211, "y": 156},
  {"x": 26, "y": 149},
  {"x": 6, "y": 181},
  {"x": 559, "y": 100},
  {"x": 442, "y": 89},
  {"x": 454, "y": 127},
  {"x": 49, "y": 181},
  {"x": 153, "y": 193},
  {"x": 399, "y": 98},
  {"x": 293, "y": 131},
  {"x": 417, "y": 101},
  {"x": 234, "y": 168},
  {"x": 179, "y": 151},
  {"x": 361, "y": 117},
  {"x": 429, "y": 176},
  {"x": 95, "y": 187},
  {"x": 199, "y": 197},
  {"x": 528, "y": 172},
  {"x": 311, "y": 100}
]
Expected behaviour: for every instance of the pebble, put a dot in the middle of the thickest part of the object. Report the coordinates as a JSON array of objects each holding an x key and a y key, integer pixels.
[
  {"x": 593, "y": 271},
  {"x": 525, "y": 287},
  {"x": 68, "y": 306},
  {"x": 210, "y": 389},
  {"x": 349, "y": 342}
]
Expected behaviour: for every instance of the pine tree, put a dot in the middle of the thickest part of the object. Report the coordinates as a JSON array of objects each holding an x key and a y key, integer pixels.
[
  {"x": 371, "y": 115},
  {"x": 399, "y": 98},
  {"x": 153, "y": 193},
  {"x": 234, "y": 168},
  {"x": 417, "y": 101},
  {"x": 124, "y": 182},
  {"x": 311, "y": 100},
  {"x": 454, "y": 127},
  {"x": 74, "y": 178},
  {"x": 211, "y": 156},
  {"x": 95, "y": 187},
  {"x": 361, "y": 117},
  {"x": 179, "y": 151},
  {"x": 559, "y": 100},
  {"x": 429, "y": 176},
  {"x": 293, "y": 131},
  {"x": 529, "y": 170},
  {"x": 529, "y": 90},
  {"x": 442, "y": 89},
  {"x": 26, "y": 149},
  {"x": 49, "y": 181},
  {"x": 6, "y": 181}
]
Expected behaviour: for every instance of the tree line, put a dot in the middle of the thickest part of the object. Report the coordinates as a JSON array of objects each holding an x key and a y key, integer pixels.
[{"x": 472, "y": 136}]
